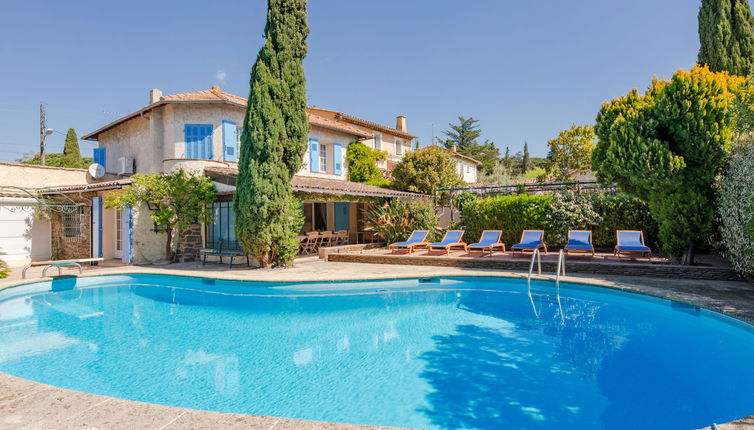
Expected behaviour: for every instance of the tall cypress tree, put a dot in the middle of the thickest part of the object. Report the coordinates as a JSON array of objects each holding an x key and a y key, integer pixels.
[
  {"x": 526, "y": 160},
  {"x": 71, "y": 151},
  {"x": 274, "y": 139},
  {"x": 726, "y": 34}
]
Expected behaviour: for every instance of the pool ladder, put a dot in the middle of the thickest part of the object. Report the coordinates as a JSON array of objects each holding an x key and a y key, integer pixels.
[{"x": 560, "y": 271}]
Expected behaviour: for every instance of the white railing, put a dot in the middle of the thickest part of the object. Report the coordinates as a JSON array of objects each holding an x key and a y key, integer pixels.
[
  {"x": 560, "y": 271},
  {"x": 539, "y": 263}
]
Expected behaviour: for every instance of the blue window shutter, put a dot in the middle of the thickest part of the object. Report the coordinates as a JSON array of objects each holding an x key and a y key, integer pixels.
[
  {"x": 99, "y": 157},
  {"x": 313, "y": 155},
  {"x": 198, "y": 138},
  {"x": 337, "y": 156},
  {"x": 229, "y": 141}
]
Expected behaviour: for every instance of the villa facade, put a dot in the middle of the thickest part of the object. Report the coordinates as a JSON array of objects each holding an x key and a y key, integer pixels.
[{"x": 200, "y": 133}]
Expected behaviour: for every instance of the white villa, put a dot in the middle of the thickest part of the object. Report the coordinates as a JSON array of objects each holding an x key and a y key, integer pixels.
[{"x": 199, "y": 132}]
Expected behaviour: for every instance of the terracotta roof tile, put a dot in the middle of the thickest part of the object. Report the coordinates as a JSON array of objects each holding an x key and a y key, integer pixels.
[
  {"x": 336, "y": 125},
  {"x": 213, "y": 94},
  {"x": 228, "y": 175}
]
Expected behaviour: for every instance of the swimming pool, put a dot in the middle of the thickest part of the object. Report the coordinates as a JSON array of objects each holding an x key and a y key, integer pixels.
[{"x": 485, "y": 353}]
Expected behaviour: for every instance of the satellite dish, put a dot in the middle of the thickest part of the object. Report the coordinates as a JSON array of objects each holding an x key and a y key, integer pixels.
[{"x": 96, "y": 170}]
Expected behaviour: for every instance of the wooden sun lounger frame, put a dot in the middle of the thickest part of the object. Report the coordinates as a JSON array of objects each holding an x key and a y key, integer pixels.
[
  {"x": 410, "y": 247},
  {"x": 523, "y": 250},
  {"x": 585, "y": 251},
  {"x": 449, "y": 246},
  {"x": 491, "y": 248},
  {"x": 618, "y": 253}
]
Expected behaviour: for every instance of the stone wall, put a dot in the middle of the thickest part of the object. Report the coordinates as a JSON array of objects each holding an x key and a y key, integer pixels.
[
  {"x": 188, "y": 243},
  {"x": 522, "y": 265},
  {"x": 66, "y": 248}
]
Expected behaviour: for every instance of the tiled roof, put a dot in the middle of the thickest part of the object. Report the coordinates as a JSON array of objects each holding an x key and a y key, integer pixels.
[
  {"x": 95, "y": 186},
  {"x": 307, "y": 184},
  {"x": 363, "y": 122},
  {"x": 335, "y": 125},
  {"x": 213, "y": 94},
  {"x": 455, "y": 154}
]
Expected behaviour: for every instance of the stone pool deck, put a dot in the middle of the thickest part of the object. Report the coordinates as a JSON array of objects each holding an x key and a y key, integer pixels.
[{"x": 29, "y": 405}]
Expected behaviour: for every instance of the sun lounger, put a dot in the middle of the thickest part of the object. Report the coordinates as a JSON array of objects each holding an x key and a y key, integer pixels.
[
  {"x": 488, "y": 242},
  {"x": 631, "y": 242},
  {"x": 579, "y": 241},
  {"x": 531, "y": 240},
  {"x": 418, "y": 239},
  {"x": 452, "y": 239}
]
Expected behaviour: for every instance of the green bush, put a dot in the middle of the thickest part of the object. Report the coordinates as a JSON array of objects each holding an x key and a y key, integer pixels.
[
  {"x": 556, "y": 214},
  {"x": 512, "y": 214},
  {"x": 569, "y": 211},
  {"x": 3, "y": 269},
  {"x": 394, "y": 221},
  {"x": 622, "y": 212},
  {"x": 362, "y": 164},
  {"x": 736, "y": 210}
]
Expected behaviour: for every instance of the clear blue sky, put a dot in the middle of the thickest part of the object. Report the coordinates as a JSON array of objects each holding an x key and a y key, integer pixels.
[{"x": 525, "y": 69}]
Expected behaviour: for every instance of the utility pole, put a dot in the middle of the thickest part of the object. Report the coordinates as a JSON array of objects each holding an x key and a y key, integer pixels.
[{"x": 42, "y": 133}]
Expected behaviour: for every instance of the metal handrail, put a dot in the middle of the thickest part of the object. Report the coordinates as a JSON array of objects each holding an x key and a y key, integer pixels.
[
  {"x": 539, "y": 263},
  {"x": 560, "y": 269}
]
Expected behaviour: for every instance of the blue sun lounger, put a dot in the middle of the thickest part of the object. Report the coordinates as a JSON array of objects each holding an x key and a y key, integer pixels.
[
  {"x": 452, "y": 239},
  {"x": 531, "y": 240},
  {"x": 418, "y": 239},
  {"x": 488, "y": 242},
  {"x": 631, "y": 242},
  {"x": 579, "y": 241}
]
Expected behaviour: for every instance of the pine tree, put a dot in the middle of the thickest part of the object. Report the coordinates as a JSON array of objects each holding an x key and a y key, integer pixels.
[
  {"x": 726, "y": 35},
  {"x": 464, "y": 137},
  {"x": 71, "y": 152},
  {"x": 274, "y": 139},
  {"x": 526, "y": 160}
]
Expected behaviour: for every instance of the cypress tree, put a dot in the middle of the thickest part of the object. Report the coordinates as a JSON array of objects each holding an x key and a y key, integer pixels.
[
  {"x": 274, "y": 139},
  {"x": 526, "y": 161},
  {"x": 71, "y": 151},
  {"x": 726, "y": 34}
]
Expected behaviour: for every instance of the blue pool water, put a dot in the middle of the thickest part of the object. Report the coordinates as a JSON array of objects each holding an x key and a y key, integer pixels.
[{"x": 475, "y": 353}]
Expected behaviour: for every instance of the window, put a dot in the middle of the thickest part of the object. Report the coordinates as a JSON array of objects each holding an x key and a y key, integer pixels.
[
  {"x": 398, "y": 147},
  {"x": 198, "y": 138},
  {"x": 118, "y": 230},
  {"x": 323, "y": 158},
  {"x": 72, "y": 223},
  {"x": 377, "y": 141},
  {"x": 222, "y": 224}
]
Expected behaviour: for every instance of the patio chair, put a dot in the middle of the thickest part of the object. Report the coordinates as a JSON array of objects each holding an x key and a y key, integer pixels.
[
  {"x": 326, "y": 239},
  {"x": 341, "y": 237},
  {"x": 531, "y": 240},
  {"x": 631, "y": 242},
  {"x": 452, "y": 239},
  {"x": 579, "y": 241},
  {"x": 488, "y": 242},
  {"x": 309, "y": 243},
  {"x": 418, "y": 239}
]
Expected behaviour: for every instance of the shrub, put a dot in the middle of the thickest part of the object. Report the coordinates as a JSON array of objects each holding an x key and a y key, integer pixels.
[
  {"x": 622, "y": 212},
  {"x": 424, "y": 170},
  {"x": 3, "y": 269},
  {"x": 556, "y": 214},
  {"x": 394, "y": 221},
  {"x": 570, "y": 211},
  {"x": 362, "y": 164},
  {"x": 512, "y": 214},
  {"x": 736, "y": 210}
]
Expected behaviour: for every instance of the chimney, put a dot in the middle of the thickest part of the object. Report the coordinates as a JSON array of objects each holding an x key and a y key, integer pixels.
[
  {"x": 400, "y": 124},
  {"x": 215, "y": 89},
  {"x": 154, "y": 95}
]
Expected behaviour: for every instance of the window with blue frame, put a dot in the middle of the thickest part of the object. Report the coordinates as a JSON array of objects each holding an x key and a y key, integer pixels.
[
  {"x": 222, "y": 224},
  {"x": 198, "y": 138}
]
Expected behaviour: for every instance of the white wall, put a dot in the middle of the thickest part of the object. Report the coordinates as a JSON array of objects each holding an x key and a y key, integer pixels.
[
  {"x": 466, "y": 169},
  {"x": 21, "y": 236}
]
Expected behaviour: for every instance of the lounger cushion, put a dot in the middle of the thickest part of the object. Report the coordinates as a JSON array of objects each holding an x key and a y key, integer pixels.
[
  {"x": 530, "y": 245},
  {"x": 579, "y": 246},
  {"x": 404, "y": 243},
  {"x": 484, "y": 244},
  {"x": 641, "y": 248}
]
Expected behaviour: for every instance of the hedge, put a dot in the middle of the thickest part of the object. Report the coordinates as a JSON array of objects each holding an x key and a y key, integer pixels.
[{"x": 556, "y": 214}]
